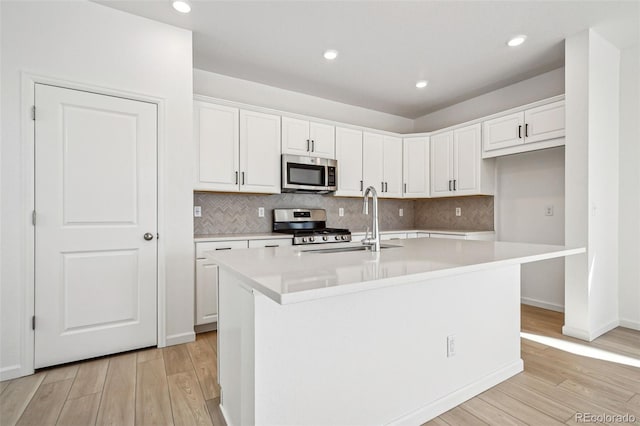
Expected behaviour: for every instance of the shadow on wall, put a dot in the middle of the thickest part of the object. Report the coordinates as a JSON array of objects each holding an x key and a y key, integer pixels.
[{"x": 235, "y": 213}]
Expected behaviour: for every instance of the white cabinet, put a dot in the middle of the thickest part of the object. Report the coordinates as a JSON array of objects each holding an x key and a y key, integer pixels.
[
  {"x": 382, "y": 164},
  {"x": 216, "y": 134},
  {"x": 509, "y": 134},
  {"x": 349, "y": 157},
  {"x": 302, "y": 137},
  {"x": 274, "y": 242},
  {"x": 237, "y": 150},
  {"x": 415, "y": 167},
  {"x": 457, "y": 167},
  {"x": 259, "y": 152},
  {"x": 206, "y": 292}
]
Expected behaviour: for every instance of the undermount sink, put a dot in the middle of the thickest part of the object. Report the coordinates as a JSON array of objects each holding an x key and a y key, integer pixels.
[{"x": 345, "y": 249}]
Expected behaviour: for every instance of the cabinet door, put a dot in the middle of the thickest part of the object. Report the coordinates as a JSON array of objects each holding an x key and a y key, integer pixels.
[
  {"x": 323, "y": 140},
  {"x": 217, "y": 147},
  {"x": 503, "y": 132},
  {"x": 416, "y": 167},
  {"x": 206, "y": 292},
  {"x": 544, "y": 122},
  {"x": 441, "y": 164},
  {"x": 372, "y": 161},
  {"x": 467, "y": 158},
  {"x": 392, "y": 167},
  {"x": 349, "y": 156},
  {"x": 259, "y": 152},
  {"x": 295, "y": 136}
]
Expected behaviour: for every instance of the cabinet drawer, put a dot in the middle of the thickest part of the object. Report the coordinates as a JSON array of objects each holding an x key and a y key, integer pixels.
[
  {"x": 219, "y": 245},
  {"x": 276, "y": 242}
]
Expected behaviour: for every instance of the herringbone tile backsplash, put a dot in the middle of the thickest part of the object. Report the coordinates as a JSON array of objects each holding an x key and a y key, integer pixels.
[{"x": 238, "y": 213}]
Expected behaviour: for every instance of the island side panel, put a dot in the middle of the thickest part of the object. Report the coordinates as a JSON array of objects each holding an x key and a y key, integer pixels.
[
  {"x": 380, "y": 356},
  {"x": 236, "y": 349}
]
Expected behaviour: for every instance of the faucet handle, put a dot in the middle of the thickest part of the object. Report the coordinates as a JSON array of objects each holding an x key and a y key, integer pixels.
[{"x": 366, "y": 235}]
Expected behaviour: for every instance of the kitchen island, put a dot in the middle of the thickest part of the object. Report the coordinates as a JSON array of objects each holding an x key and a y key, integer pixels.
[{"x": 315, "y": 336}]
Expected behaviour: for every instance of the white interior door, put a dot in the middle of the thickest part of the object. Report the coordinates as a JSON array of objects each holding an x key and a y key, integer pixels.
[{"x": 95, "y": 199}]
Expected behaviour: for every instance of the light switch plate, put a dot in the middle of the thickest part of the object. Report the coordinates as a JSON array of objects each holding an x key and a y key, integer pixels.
[
  {"x": 340, "y": 211},
  {"x": 260, "y": 211},
  {"x": 197, "y": 211},
  {"x": 548, "y": 211}
]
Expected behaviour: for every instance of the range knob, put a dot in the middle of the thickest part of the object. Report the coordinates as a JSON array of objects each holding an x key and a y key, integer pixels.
[
  {"x": 344, "y": 237},
  {"x": 325, "y": 238},
  {"x": 337, "y": 237},
  {"x": 304, "y": 239},
  {"x": 312, "y": 239}
]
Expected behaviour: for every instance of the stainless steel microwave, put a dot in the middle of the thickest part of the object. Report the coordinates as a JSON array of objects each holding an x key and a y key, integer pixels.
[{"x": 308, "y": 174}]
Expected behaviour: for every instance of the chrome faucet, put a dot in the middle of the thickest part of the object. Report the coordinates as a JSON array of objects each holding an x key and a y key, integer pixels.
[{"x": 374, "y": 240}]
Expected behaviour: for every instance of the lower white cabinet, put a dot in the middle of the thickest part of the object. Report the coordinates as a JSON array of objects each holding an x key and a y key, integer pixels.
[
  {"x": 206, "y": 294},
  {"x": 393, "y": 236},
  {"x": 275, "y": 242}
]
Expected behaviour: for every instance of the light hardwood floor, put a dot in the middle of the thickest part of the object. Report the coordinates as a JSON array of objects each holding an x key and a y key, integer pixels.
[{"x": 177, "y": 385}]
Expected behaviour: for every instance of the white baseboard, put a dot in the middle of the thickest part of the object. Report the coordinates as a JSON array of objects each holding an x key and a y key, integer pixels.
[
  {"x": 635, "y": 325},
  {"x": 177, "y": 339},
  {"x": 542, "y": 304},
  {"x": 603, "y": 329},
  {"x": 206, "y": 327},
  {"x": 434, "y": 409},
  {"x": 10, "y": 372},
  {"x": 225, "y": 415},
  {"x": 578, "y": 333}
]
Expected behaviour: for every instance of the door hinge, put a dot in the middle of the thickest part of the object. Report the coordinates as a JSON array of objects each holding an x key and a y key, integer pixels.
[
  {"x": 33, "y": 112},
  {"x": 33, "y": 322},
  {"x": 157, "y": 236},
  {"x": 33, "y": 218}
]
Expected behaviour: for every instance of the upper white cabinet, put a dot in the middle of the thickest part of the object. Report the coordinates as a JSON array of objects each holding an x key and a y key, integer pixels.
[
  {"x": 457, "y": 167},
  {"x": 382, "y": 164},
  {"x": 237, "y": 150},
  {"x": 302, "y": 137},
  {"x": 416, "y": 167},
  {"x": 509, "y": 134},
  {"x": 216, "y": 134},
  {"x": 349, "y": 156},
  {"x": 259, "y": 152}
]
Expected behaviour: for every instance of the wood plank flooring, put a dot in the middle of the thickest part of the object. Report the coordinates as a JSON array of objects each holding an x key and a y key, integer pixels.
[{"x": 178, "y": 386}]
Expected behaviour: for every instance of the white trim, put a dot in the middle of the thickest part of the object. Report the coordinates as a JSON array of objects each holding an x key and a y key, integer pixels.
[
  {"x": 10, "y": 372},
  {"x": 576, "y": 332},
  {"x": 28, "y": 82},
  {"x": 542, "y": 304},
  {"x": 634, "y": 325},
  {"x": 526, "y": 147},
  {"x": 178, "y": 339},
  {"x": 603, "y": 329},
  {"x": 434, "y": 409},
  {"x": 226, "y": 417}
]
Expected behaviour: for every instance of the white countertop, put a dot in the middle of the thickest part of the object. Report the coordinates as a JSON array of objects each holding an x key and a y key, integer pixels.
[
  {"x": 293, "y": 274},
  {"x": 276, "y": 235}
]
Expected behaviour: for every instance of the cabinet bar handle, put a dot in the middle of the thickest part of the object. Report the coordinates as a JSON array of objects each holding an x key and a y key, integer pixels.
[
  {"x": 526, "y": 130},
  {"x": 273, "y": 245},
  {"x": 236, "y": 177},
  {"x": 223, "y": 248},
  {"x": 449, "y": 185},
  {"x": 405, "y": 187},
  {"x": 243, "y": 178},
  {"x": 308, "y": 142},
  {"x": 313, "y": 145},
  {"x": 361, "y": 186},
  {"x": 381, "y": 186},
  {"x": 455, "y": 184},
  {"x": 386, "y": 187},
  {"x": 520, "y": 132}
]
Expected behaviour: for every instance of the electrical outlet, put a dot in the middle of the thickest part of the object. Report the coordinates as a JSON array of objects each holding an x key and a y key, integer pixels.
[
  {"x": 548, "y": 211},
  {"x": 401, "y": 212},
  {"x": 458, "y": 211},
  {"x": 340, "y": 211},
  {"x": 451, "y": 346},
  {"x": 197, "y": 211},
  {"x": 260, "y": 211}
]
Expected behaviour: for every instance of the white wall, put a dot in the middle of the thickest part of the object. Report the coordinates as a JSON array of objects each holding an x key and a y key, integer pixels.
[
  {"x": 591, "y": 170},
  {"x": 249, "y": 92},
  {"x": 526, "y": 184},
  {"x": 533, "y": 89},
  {"x": 629, "y": 226},
  {"x": 94, "y": 45}
]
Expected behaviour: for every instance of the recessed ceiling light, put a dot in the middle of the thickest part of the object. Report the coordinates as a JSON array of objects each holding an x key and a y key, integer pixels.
[
  {"x": 182, "y": 6},
  {"x": 516, "y": 41},
  {"x": 422, "y": 84},
  {"x": 330, "y": 54}
]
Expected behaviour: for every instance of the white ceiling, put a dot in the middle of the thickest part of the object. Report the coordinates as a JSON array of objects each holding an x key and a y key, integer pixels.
[{"x": 386, "y": 46}]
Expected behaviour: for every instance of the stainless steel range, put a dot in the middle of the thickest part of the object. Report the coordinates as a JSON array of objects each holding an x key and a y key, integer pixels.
[{"x": 308, "y": 226}]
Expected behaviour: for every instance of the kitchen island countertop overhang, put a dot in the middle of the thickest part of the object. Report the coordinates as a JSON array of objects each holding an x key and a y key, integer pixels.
[{"x": 301, "y": 273}]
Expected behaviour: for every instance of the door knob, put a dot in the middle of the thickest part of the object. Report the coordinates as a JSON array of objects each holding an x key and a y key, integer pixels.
[{"x": 148, "y": 236}]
